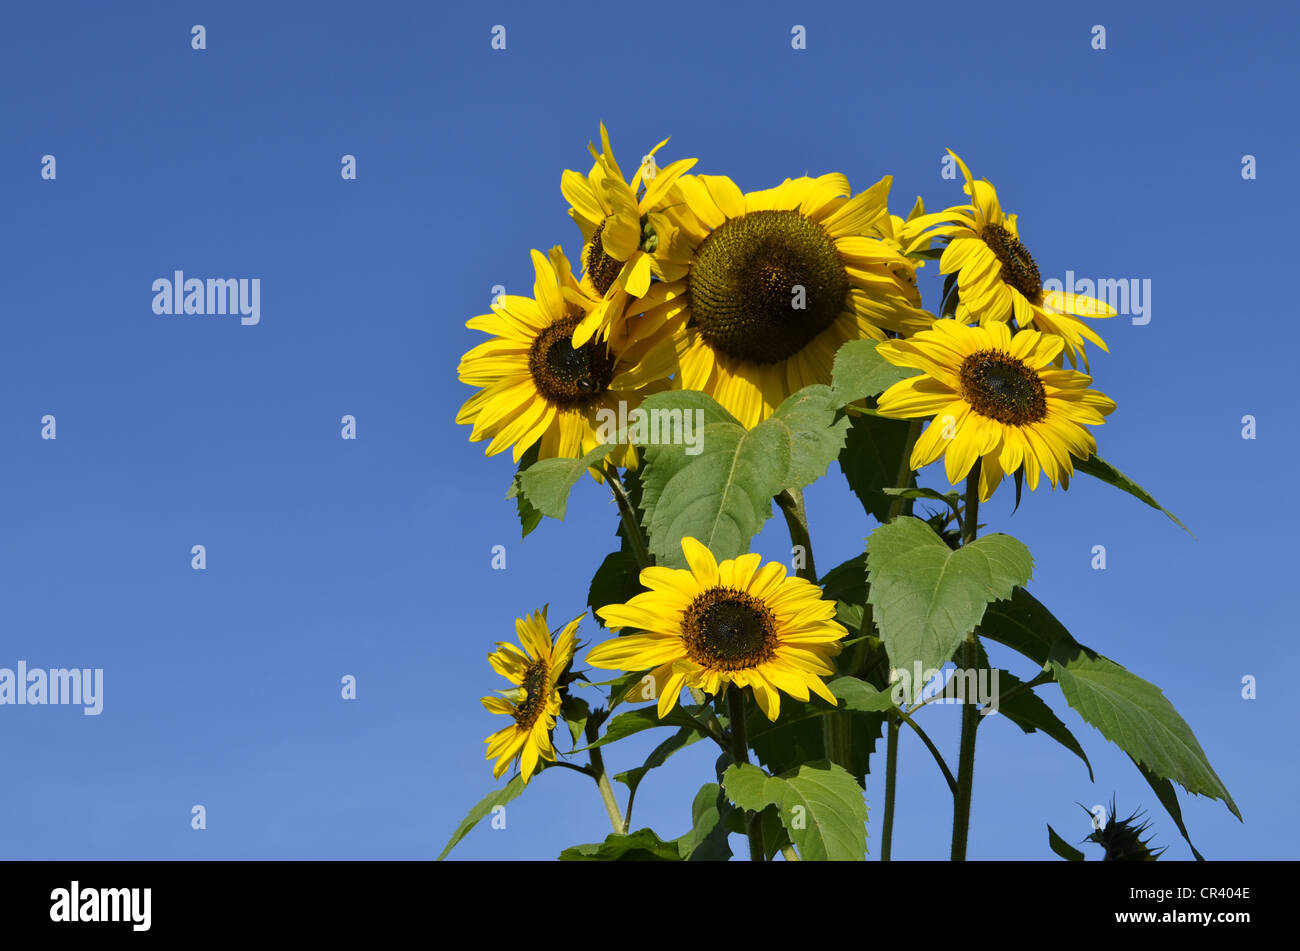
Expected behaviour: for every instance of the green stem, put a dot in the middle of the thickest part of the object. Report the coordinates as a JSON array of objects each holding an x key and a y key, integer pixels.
[
  {"x": 891, "y": 779},
  {"x": 796, "y": 519},
  {"x": 631, "y": 527},
  {"x": 969, "y": 711},
  {"x": 740, "y": 754},
  {"x": 602, "y": 783},
  {"x": 790, "y": 854},
  {"x": 837, "y": 728},
  {"x": 900, "y": 505},
  {"x": 934, "y": 750}
]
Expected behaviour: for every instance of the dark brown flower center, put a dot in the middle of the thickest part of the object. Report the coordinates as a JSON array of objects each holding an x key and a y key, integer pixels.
[
  {"x": 763, "y": 285},
  {"x": 726, "y": 629},
  {"x": 602, "y": 269},
  {"x": 1018, "y": 267},
  {"x": 531, "y": 706},
  {"x": 566, "y": 375},
  {"x": 1001, "y": 387}
]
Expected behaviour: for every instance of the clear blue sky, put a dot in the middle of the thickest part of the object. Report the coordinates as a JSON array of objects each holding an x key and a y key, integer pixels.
[{"x": 372, "y": 557}]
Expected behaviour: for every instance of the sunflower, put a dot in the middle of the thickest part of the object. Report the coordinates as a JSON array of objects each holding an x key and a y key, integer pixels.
[
  {"x": 535, "y": 701},
  {"x": 537, "y": 387},
  {"x": 998, "y": 278},
  {"x": 994, "y": 397},
  {"x": 617, "y": 238},
  {"x": 761, "y": 289},
  {"x": 719, "y": 624}
]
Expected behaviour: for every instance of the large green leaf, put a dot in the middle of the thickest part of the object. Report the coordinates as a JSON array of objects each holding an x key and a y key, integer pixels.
[
  {"x": 820, "y": 804},
  {"x": 723, "y": 495},
  {"x": 1031, "y": 713},
  {"x": 498, "y": 797},
  {"x": 870, "y": 460},
  {"x": 860, "y": 372},
  {"x": 1135, "y": 716},
  {"x": 545, "y": 485},
  {"x": 640, "y": 846},
  {"x": 664, "y": 460},
  {"x": 815, "y": 430},
  {"x": 1099, "y": 468},
  {"x": 785, "y": 746},
  {"x": 927, "y": 597}
]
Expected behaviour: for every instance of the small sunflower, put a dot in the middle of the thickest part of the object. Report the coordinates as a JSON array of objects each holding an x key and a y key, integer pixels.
[
  {"x": 761, "y": 289},
  {"x": 618, "y": 240},
  {"x": 538, "y": 387},
  {"x": 535, "y": 701},
  {"x": 998, "y": 278},
  {"x": 994, "y": 397},
  {"x": 719, "y": 624}
]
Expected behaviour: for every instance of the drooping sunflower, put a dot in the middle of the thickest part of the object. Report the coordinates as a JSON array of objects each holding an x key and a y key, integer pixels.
[
  {"x": 995, "y": 397},
  {"x": 718, "y": 624},
  {"x": 534, "y": 703},
  {"x": 761, "y": 289},
  {"x": 997, "y": 277},
  {"x": 537, "y": 387},
  {"x": 618, "y": 240}
]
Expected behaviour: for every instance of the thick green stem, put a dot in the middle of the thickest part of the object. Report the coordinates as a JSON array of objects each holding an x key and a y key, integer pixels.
[
  {"x": 602, "y": 783},
  {"x": 740, "y": 754},
  {"x": 969, "y": 711},
  {"x": 790, "y": 854},
  {"x": 891, "y": 780}
]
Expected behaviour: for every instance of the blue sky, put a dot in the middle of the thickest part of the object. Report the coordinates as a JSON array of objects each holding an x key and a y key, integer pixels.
[{"x": 372, "y": 557}]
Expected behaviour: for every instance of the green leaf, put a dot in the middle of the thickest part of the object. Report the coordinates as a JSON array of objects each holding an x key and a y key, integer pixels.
[
  {"x": 643, "y": 718},
  {"x": 927, "y": 597},
  {"x": 665, "y": 460},
  {"x": 1099, "y": 468},
  {"x": 721, "y": 497},
  {"x": 1025, "y": 625},
  {"x": 1031, "y": 713},
  {"x": 1061, "y": 847},
  {"x": 860, "y": 372},
  {"x": 640, "y": 846},
  {"x": 815, "y": 429},
  {"x": 707, "y": 840},
  {"x": 498, "y": 797},
  {"x": 1164, "y": 790},
  {"x": 616, "y": 581},
  {"x": 1135, "y": 716},
  {"x": 575, "y": 712},
  {"x": 529, "y": 517},
  {"x": 870, "y": 460},
  {"x": 545, "y": 485},
  {"x": 820, "y": 804}
]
